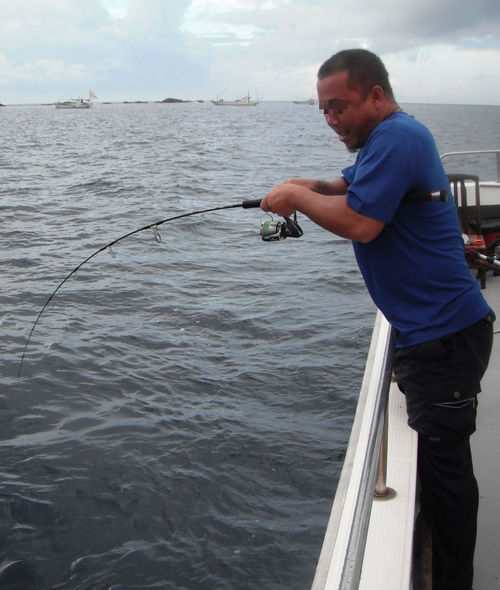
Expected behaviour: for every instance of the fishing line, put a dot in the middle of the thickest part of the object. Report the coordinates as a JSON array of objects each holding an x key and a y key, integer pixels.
[{"x": 248, "y": 204}]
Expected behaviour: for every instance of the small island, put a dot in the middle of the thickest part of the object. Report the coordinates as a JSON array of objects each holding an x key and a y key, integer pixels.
[{"x": 170, "y": 100}]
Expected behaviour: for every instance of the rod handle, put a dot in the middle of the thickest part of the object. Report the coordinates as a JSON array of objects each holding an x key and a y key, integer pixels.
[
  {"x": 251, "y": 203},
  {"x": 441, "y": 195}
]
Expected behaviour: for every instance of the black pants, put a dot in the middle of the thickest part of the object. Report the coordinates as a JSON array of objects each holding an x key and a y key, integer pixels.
[{"x": 441, "y": 380}]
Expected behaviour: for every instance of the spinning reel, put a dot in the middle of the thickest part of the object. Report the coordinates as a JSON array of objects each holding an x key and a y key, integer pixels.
[{"x": 271, "y": 230}]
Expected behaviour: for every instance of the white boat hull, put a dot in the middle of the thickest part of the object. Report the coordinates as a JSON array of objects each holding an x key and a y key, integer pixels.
[
  {"x": 245, "y": 101},
  {"x": 76, "y": 103},
  {"x": 68, "y": 105}
]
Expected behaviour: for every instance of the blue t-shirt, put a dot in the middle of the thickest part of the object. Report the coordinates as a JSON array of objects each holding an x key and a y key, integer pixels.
[{"x": 415, "y": 269}]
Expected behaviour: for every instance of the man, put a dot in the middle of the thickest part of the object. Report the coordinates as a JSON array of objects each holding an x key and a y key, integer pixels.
[{"x": 411, "y": 256}]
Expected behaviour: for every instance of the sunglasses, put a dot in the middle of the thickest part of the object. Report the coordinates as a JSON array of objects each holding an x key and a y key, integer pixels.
[{"x": 333, "y": 105}]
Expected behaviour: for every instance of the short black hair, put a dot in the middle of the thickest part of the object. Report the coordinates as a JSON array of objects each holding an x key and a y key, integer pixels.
[{"x": 364, "y": 70}]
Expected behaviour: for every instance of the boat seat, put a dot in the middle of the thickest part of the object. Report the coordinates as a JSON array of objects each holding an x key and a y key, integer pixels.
[{"x": 470, "y": 221}]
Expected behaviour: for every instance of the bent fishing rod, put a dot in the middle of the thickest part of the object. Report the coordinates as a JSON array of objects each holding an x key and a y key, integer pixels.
[{"x": 269, "y": 230}]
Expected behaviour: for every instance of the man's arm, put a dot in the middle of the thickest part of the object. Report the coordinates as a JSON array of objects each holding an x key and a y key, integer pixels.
[
  {"x": 330, "y": 211},
  {"x": 338, "y": 186}
]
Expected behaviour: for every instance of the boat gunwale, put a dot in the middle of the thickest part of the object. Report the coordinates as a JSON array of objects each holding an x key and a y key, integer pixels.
[{"x": 364, "y": 446}]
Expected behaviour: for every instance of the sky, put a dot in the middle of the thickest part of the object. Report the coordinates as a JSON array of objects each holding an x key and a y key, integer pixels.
[{"x": 436, "y": 51}]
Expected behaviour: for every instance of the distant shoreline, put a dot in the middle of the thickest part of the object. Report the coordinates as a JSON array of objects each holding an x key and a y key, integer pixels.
[
  {"x": 200, "y": 101},
  {"x": 164, "y": 101}
]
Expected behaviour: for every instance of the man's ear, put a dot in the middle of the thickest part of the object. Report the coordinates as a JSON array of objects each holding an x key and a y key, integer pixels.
[{"x": 376, "y": 94}]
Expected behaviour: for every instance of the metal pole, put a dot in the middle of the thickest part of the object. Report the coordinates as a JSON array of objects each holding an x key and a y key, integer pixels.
[{"x": 382, "y": 491}]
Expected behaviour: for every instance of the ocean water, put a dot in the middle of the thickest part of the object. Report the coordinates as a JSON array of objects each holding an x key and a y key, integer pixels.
[{"x": 184, "y": 404}]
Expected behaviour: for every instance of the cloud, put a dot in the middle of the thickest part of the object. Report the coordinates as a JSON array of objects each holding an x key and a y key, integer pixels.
[
  {"x": 116, "y": 8},
  {"x": 231, "y": 22},
  {"x": 150, "y": 49},
  {"x": 126, "y": 49},
  {"x": 433, "y": 76},
  {"x": 285, "y": 41},
  {"x": 44, "y": 70}
]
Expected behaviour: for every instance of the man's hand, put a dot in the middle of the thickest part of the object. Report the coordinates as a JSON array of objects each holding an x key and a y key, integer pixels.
[{"x": 281, "y": 199}]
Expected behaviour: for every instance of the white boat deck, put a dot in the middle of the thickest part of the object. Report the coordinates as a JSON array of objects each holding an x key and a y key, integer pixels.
[
  {"x": 485, "y": 444},
  {"x": 387, "y": 565}
]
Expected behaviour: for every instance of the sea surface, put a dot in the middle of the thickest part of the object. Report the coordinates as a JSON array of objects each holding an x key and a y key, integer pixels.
[{"x": 184, "y": 404}]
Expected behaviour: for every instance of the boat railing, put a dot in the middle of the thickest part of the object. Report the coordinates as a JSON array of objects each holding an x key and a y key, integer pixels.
[
  {"x": 474, "y": 153},
  {"x": 341, "y": 559}
]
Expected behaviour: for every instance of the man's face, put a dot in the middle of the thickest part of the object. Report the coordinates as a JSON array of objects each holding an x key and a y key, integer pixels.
[{"x": 351, "y": 116}]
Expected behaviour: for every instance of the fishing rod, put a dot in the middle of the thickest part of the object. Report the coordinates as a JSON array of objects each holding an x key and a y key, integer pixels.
[
  {"x": 414, "y": 196},
  {"x": 491, "y": 260},
  {"x": 269, "y": 231}
]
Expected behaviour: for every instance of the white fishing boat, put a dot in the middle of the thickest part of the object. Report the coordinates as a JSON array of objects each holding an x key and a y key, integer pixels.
[
  {"x": 244, "y": 101},
  {"x": 309, "y": 101},
  {"x": 76, "y": 103},
  {"x": 371, "y": 541}
]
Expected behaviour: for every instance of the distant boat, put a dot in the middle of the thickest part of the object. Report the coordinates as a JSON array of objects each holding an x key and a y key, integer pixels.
[
  {"x": 306, "y": 101},
  {"x": 76, "y": 103},
  {"x": 244, "y": 101}
]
